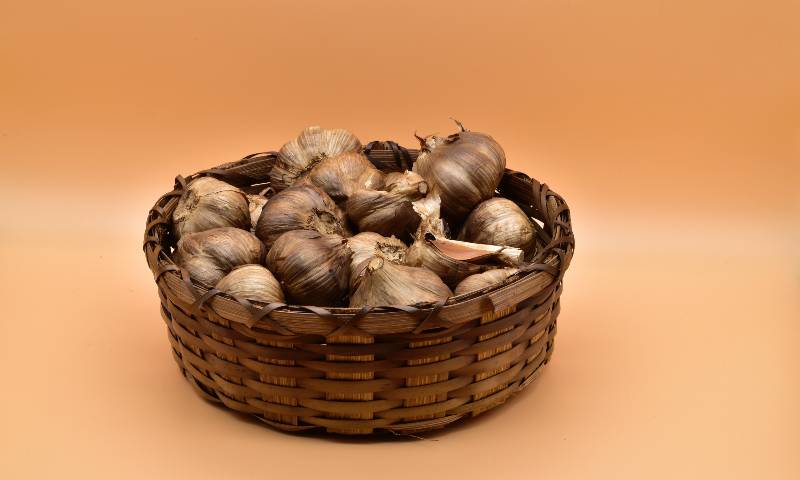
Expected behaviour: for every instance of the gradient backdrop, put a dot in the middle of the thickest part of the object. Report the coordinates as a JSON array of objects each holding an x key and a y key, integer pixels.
[{"x": 671, "y": 128}]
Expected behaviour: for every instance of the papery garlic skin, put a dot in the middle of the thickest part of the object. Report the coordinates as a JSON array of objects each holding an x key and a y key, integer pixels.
[
  {"x": 368, "y": 245},
  {"x": 210, "y": 203},
  {"x": 209, "y": 255},
  {"x": 301, "y": 207},
  {"x": 313, "y": 144},
  {"x": 252, "y": 282},
  {"x": 464, "y": 169},
  {"x": 499, "y": 221},
  {"x": 486, "y": 279},
  {"x": 255, "y": 204},
  {"x": 388, "y": 212},
  {"x": 311, "y": 267},
  {"x": 384, "y": 283},
  {"x": 344, "y": 174}
]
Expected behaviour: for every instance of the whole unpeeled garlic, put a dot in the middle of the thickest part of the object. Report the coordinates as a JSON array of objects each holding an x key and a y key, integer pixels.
[
  {"x": 209, "y": 255},
  {"x": 343, "y": 174},
  {"x": 252, "y": 282},
  {"x": 464, "y": 169},
  {"x": 312, "y": 267},
  {"x": 388, "y": 212},
  {"x": 210, "y": 203},
  {"x": 384, "y": 283},
  {"x": 301, "y": 207},
  {"x": 368, "y": 245},
  {"x": 499, "y": 221},
  {"x": 453, "y": 260},
  {"x": 480, "y": 281},
  {"x": 255, "y": 204},
  {"x": 312, "y": 145}
]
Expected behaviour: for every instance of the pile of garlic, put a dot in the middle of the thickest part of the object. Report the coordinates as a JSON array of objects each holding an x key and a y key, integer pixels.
[{"x": 339, "y": 232}]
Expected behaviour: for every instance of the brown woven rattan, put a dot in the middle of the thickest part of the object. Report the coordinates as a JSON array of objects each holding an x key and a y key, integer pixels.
[{"x": 362, "y": 371}]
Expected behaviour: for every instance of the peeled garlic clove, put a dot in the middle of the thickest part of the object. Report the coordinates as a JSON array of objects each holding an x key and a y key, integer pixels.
[
  {"x": 343, "y": 174},
  {"x": 483, "y": 280},
  {"x": 453, "y": 260},
  {"x": 499, "y": 221},
  {"x": 385, "y": 283},
  {"x": 210, "y": 203},
  {"x": 301, "y": 207},
  {"x": 209, "y": 255},
  {"x": 464, "y": 168},
  {"x": 368, "y": 245},
  {"x": 255, "y": 204},
  {"x": 252, "y": 282},
  {"x": 312, "y": 145},
  {"x": 388, "y": 212},
  {"x": 312, "y": 267}
]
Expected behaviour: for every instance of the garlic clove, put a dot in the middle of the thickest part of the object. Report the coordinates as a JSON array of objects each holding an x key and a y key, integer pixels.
[
  {"x": 486, "y": 279},
  {"x": 312, "y": 267},
  {"x": 343, "y": 174},
  {"x": 453, "y": 260},
  {"x": 499, "y": 221},
  {"x": 384, "y": 283},
  {"x": 313, "y": 144},
  {"x": 252, "y": 282},
  {"x": 300, "y": 207},
  {"x": 209, "y": 255},
  {"x": 210, "y": 203},
  {"x": 255, "y": 204},
  {"x": 464, "y": 169},
  {"x": 368, "y": 245}
]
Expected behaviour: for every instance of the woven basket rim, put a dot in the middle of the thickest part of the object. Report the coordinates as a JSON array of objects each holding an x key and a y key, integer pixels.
[{"x": 552, "y": 261}]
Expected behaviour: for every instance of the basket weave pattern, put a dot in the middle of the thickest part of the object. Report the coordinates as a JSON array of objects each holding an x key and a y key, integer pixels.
[{"x": 362, "y": 371}]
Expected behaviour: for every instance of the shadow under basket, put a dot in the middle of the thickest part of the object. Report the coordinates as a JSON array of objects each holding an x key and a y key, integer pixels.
[{"x": 371, "y": 370}]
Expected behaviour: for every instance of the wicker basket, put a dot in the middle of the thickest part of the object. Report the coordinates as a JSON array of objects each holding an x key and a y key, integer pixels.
[{"x": 363, "y": 371}]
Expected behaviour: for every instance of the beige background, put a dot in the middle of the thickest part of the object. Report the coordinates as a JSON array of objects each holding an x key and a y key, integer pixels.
[{"x": 672, "y": 128}]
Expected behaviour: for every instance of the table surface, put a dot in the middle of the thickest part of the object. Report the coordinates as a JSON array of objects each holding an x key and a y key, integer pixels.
[{"x": 673, "y": 131}]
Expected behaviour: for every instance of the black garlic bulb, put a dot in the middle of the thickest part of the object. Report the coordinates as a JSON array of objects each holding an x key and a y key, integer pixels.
[
  {"x": 384, "y": 283},
  {"x": 344, "y": 174},
  {"x": 313, "y": 268},
  {"x": 209, "y": 255},
  {"x": 499, "y": 221},
  {"x": 252, "y": 282},
  {"x": 300, "y": 155},
  {"x": 464, "y": 169},
  {"x": 368, "y": 245},
  {"x": 301, "y": 207},
  {"x": 479, "y": 281},
  {"x": 210, "y": 203},
  {"x": 388, "y": 212}
]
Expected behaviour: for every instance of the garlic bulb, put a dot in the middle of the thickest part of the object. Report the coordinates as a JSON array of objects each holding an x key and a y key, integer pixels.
[
  {"x": 312, "y": 267},
  {"x": 453, "y": 260},
  {"x": 343, "y": 174},
  {"x": 388, "y": 212},
  {"x": 301, "y": 207},
  {"x": 312, "y": 145},
  {"x": 384, "y": 283},
  {"x": 368, "y": 245},
  {"x": 255, "y": 204},
  {"x": 463, "y": 169},
  {"x": 499, "y": 221},
  {"x": 210, "y": 203},
  {"x": 480, "y": 281},
  {"x": 252, "y": 282},
  {"x": 209, "y": 255}
]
